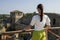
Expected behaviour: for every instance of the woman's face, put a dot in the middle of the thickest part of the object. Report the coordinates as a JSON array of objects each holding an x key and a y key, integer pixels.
[{"x": 39, "y": 11}]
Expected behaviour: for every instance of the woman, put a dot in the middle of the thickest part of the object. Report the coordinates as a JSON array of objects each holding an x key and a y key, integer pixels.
[{"x": 39, "y": 21}]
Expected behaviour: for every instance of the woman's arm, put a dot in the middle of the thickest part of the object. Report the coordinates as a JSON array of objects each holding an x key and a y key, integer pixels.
[
  {"x": 28, "y": 27},
  {"x": 48, "y": 27}
]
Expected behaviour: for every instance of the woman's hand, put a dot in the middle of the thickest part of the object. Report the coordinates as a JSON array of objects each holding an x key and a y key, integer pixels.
[
  {"x": 28, "y": 28},
  {"x": 47, "y": 27}
]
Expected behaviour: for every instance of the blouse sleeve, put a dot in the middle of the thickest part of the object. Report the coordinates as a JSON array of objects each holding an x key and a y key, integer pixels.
[
  {"x": 48, "y": 21},
  {"x": 33, "y": 21}
]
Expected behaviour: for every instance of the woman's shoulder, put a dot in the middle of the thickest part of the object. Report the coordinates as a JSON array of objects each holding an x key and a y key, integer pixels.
[
  {"x": 46, "y": 15},
  {"x": 35, "y": 16}
]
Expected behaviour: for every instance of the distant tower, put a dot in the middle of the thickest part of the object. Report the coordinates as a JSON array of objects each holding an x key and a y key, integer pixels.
[{"x": 15, "y": 16}]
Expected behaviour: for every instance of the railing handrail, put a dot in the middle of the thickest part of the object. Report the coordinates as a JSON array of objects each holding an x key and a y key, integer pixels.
[{"x": 19, "y": 31}]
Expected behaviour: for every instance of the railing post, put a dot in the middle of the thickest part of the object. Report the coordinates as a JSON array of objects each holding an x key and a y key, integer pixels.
[{"x": 3, "y": 37}]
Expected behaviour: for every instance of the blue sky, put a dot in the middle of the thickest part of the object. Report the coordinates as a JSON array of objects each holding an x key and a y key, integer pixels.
[{"x": 25, "y": 6}]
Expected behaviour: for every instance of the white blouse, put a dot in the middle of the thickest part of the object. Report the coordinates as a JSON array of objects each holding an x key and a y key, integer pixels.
[{"x": 40, "y": 25}]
